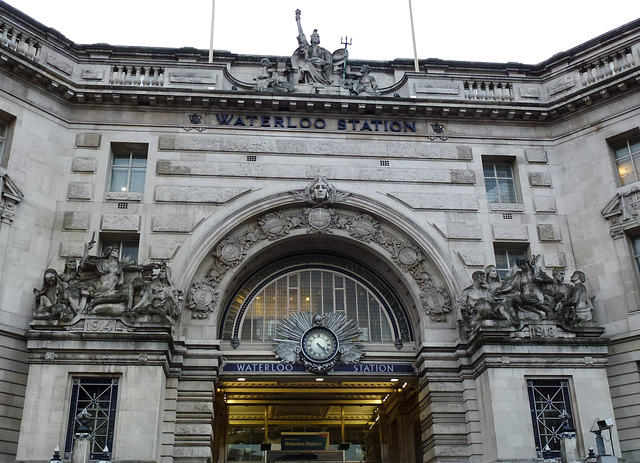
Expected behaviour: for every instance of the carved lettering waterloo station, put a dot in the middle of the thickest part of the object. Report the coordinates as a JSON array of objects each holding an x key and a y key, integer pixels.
[{"x": 290, "y": 123}]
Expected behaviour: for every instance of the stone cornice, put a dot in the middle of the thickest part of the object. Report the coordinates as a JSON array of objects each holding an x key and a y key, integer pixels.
[{"x": 101, "y": 74}]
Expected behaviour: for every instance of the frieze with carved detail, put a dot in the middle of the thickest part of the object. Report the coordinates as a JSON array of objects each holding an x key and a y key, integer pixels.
[
  {"x": 528, "y": 295},
  {"x": 104, "y": 285},
  {"x": 275, "y": 225},
  {"x": 622, "y": 212}
]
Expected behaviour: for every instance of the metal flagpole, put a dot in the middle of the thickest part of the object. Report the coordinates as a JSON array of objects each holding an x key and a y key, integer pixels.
[
  {"x": 213, "y": 17},
  {"x": 413, "y": 36}
]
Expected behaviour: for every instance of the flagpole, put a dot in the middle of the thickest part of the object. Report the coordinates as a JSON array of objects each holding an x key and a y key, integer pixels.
[
  {"x": 413, "y": 36},
  {"x": 213, "y": 16}
]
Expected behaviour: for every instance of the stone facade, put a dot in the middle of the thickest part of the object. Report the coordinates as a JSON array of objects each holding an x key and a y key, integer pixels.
[{"x": 238, "y": 171}]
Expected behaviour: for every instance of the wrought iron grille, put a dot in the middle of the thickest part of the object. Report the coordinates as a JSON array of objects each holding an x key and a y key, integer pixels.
[
  {"x": 98, "y": 396},
  {"x": 550, "y": 409}
]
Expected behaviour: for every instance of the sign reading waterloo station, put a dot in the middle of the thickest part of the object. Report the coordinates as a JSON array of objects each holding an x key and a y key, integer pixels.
[
  {"x": 317, "y": 123},
  {"x": 269, "y": 367}
]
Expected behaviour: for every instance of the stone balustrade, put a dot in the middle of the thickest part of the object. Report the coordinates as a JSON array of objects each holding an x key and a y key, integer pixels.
[
  {"x": 143, "y": 76},
  {"x": 607, "y": 66},
  {"x": 19, "y": 42},
  {"x": 489, "y": 91}
]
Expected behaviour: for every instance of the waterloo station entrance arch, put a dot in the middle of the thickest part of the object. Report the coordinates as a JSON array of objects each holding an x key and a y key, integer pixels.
[{"x": 321, "y": 299}]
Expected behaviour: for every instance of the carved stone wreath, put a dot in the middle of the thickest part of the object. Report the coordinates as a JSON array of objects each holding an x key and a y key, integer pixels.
[{"x": 275, "y": 225}]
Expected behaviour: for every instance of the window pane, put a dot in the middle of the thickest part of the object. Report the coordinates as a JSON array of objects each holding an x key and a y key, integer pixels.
[
  {"x": 137, "y": 180},
  {"x": 492, "y": 190},
  {"x": 129, "y": 251},
  {"x": 503, "y": 170},
  {"x": 121, "y": 159},
  {"x": 636, "y": 246},
  {"x": 625, "y": 170},
  {"x": 139, "y": 159},
  {"x": 507, "y": 192},
  {"x": 119, "y": 177},
  {"x": 634, "y": 145},
  {"x": 305, "y": 295},
  {"x": 506, "y": 258},
  {"x": 489, "y": 171}
]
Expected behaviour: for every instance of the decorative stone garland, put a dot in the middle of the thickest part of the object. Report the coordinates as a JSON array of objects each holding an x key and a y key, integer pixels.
[{"x": 203, "y": 296}]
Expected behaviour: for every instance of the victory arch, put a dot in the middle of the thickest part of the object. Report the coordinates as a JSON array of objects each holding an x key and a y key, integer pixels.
[
  {"x": 316, "y": 258},
  {"x": 323, "y": 298}
]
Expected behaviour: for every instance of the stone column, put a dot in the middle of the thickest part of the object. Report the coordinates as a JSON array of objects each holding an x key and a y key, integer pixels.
[
  {"x": 442, "y": 421},
  {"x": 194, "y": 410}
]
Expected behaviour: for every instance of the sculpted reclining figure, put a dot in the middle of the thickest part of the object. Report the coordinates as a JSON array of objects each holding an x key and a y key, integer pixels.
[
  {"x": 526, "y": 294},
  {"x": 107, "y": 286}
]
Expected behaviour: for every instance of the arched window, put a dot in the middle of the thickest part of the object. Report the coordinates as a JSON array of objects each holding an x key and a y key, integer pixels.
[{"x": 327, "y": 285}]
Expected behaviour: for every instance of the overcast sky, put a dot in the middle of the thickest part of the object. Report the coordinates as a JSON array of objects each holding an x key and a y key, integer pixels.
[{"x": 496, "y": 31}]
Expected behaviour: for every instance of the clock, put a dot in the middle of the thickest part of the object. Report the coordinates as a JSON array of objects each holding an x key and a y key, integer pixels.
[{"x": 319, "y": 344}]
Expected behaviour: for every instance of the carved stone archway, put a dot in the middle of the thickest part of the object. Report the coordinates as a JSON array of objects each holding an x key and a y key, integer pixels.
[{"x": 325, "y": 219}]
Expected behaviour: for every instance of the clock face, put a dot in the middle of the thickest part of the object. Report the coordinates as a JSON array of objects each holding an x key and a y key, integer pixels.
[{"x": 320, "y": 344}]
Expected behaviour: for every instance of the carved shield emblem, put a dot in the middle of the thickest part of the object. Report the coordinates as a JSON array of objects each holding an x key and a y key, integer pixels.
[
  {"x": 319, "y": 219},
  {"x": 274, "y": 225},
  {"x": 202, "y": 299},
  {"x": 230, "y": 252},
  {"x": 363, "y": 227},
  {"x": 409, "y": 257},
  {"x": 632, "y": 203}
]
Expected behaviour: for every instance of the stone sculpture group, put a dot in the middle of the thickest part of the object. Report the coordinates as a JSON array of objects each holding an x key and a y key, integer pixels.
[
  {"x": 314, "y": 66},
  {"x": 526, "y": 294},
  {"x": 105, "y": 285}
]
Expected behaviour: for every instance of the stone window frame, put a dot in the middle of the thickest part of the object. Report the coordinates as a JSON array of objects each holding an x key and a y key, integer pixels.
[
  {"x": 625, "y": 151},
  {"x": 133, "y": 151},
  {"x": 124, "y": 241},
  {"x": 508, "y": 160},
  {"x": 7, "y": 126},
  {"x": 102, "y": 407},
  {"x": 546, "y": 412}
]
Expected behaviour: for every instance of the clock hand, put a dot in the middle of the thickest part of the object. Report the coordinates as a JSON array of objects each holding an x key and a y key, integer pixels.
[{"x": 324, "y": 349}]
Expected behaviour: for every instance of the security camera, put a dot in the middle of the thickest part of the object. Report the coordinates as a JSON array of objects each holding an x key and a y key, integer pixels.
[
  {"x": 601, "y": 425},
  {"x": 605, "y": 424}
]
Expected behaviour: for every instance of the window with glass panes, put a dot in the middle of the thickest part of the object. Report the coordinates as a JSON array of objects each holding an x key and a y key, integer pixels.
[
  {"x": 506, "y": 258},
  {"x": 550, "y": 405},
  {"x": 316, "y": 291},
  {"x": 128, "y": 248},
  {"x": 635, "y": 244},
  {"x": 98, "y": 397},
  {"x": 627, "y": 157},
  {"x": 3, "y": 136},
  {"x": 128, "y": 169},
  {"x": 499, "y": 182}
]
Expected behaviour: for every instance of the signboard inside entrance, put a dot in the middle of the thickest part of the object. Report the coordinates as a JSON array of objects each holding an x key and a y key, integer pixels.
[{"x": 304, "y": 440}]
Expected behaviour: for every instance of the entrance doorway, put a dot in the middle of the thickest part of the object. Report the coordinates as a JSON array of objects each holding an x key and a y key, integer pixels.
[{"x": 366, "y": 415}]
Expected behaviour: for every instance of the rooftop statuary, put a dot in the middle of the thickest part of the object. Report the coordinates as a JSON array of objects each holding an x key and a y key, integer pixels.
[{"x": 314, "y": 63}]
